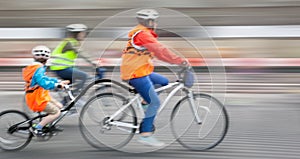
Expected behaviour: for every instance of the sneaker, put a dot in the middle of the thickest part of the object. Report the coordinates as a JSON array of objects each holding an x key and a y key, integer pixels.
[
  {"x": 37, "y": 132},
  {"x": 150, "y": 141}
]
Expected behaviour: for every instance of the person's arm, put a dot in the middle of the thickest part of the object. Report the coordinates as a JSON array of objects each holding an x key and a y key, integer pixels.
[
  {"x": 147, "y": 40},
  {"x": 70, "y": 47},
  {"x": 44, "y": 81}
]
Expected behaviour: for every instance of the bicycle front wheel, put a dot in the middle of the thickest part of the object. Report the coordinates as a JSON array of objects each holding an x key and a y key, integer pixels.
[
  {"x": 102, "y": 134},
  {"x": 14, "y": 135},
  {"x": 199, "y": 136}
]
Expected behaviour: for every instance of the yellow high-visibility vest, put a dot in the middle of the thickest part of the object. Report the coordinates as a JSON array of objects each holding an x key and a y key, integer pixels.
[{"x": 62, "y": 60}]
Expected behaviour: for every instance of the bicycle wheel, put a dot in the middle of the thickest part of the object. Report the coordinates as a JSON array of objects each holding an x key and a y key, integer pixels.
[
  {"x": 14, "y": 137},
  {"x": 108, "y": 88},
  {"x": 196, "y": 136},
  {"x": 102, "y": 135}
]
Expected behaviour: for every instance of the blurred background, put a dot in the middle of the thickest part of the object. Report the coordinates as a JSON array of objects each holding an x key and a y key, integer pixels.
[
  {"x": 256, "y": 41},
  {"x": 258, "y": 34}
]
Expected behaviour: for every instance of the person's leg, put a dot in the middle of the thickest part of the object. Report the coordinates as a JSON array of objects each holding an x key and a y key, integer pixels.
[
  {"x": 145, "y": 88},
  {"x": 53, "y": 112},
  {"x": 79, "y": 75},
  {"x": 158, "y": 80},
  {"x": 65, "y": 74}
]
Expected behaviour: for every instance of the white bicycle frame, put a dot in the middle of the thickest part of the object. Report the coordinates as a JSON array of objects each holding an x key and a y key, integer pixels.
[{"x": 178, "y": 86}]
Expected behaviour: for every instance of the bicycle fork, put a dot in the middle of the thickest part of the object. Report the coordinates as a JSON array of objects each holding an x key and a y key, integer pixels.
[{"x": 193, "y": 107}]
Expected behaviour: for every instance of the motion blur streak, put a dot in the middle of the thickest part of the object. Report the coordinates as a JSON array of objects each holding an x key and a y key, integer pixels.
[{"x": 258, "y": 41}]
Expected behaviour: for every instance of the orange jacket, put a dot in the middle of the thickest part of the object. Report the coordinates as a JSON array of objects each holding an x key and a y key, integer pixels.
[
  {"x": 36, "y": 96},
  {"x": 141, "y": 47}
]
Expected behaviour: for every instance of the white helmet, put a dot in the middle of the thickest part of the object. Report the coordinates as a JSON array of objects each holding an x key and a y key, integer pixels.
[
  {"x": 41, "y": 52},
  {"x": 76, "y": 27},
  {"x": 147, "y": 14}
]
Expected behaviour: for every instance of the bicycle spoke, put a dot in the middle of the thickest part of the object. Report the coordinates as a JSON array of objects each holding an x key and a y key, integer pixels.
[
  {"x": 18, "y": 137},
  {"x": 96, "y": 124},
  {"x": 193, "y": 135}
]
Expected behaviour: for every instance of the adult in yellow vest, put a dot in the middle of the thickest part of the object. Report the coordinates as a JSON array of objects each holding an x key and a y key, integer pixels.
[{"x": 65, "y": 54}]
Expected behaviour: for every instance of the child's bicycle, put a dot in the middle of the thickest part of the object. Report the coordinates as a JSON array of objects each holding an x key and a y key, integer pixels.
[
  {"x": 14, "y": 124},
  {"x": 198, "y": 121}
]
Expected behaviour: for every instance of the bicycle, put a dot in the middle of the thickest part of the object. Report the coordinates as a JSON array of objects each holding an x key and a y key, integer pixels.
[
  {"x": 15, "y": 124},
  {"x": 61, "y": 95},
  {"x": 109, "y": 120}
]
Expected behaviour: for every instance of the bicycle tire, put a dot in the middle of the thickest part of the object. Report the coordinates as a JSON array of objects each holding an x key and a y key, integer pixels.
[
  {"x": 200, "y": 137},
  {"x": 14, "y": 138},
  {"x": 93, "y": 115},
  {"x": 98, "y": 89}
]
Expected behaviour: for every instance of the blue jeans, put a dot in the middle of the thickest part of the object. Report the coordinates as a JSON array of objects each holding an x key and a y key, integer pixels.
[
  {"x": 73, "y": 74},
  {"x": 145, "y": 86}
]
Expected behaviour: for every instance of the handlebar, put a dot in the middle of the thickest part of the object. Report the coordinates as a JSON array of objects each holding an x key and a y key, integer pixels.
[
  {"x": 186, "y": 76},
  {"x": 68, "y": 89},
  {"x": 181, "y": 72}
]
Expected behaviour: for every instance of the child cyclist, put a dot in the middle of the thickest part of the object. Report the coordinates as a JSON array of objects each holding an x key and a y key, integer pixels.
[{"x": 37, "y": 88}]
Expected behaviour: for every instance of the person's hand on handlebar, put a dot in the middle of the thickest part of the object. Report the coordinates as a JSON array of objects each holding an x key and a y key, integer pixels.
[
  {"x": 63, "y": 83},
  {"x": 185, "y": 64}
]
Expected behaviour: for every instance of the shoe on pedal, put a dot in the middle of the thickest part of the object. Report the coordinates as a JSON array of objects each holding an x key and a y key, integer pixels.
[
  {"x": 37, "y": 132},
  {"x": 150, "y": 141}
]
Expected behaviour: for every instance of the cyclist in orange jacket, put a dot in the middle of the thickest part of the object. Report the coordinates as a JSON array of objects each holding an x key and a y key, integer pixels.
[
  {"x": 37, "y": 88},
  {"x": 137, "y": 68}
]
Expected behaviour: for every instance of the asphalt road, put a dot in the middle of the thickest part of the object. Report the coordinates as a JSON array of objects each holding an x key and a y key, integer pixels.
[{"x": 261, "y": 126}]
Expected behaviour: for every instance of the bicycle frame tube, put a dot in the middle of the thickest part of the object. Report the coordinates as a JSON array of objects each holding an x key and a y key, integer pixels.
[
  {"x": 123, "y": 108},
  {"x": 171, "y": 94},
  {"x": 136, "y": 97},
  {"x": 63, "y": 114}
]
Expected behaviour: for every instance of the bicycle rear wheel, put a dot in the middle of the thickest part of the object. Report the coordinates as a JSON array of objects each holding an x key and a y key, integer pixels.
[
  {"x": 97, "y": 132},
  {"x": 14, "y": 136},
  {"x": 196, "y": 136}
]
